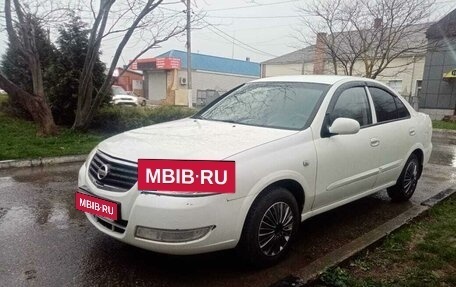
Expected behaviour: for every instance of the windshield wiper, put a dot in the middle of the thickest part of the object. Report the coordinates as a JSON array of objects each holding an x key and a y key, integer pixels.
[{"x": 216, "y": 120}]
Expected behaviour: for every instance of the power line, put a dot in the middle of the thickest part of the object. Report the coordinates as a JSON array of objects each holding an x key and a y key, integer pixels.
[
  {"x": 255, "y": 17},
  {"x": 252, "y": 6},
  {"x": 231, "y": 41},
  {"x": 240, "y": 43}
]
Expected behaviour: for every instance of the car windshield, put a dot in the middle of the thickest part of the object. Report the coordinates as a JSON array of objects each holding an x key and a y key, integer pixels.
[
  {"x": 268, "y": 104},
  {"x": 116, "y": 90}
]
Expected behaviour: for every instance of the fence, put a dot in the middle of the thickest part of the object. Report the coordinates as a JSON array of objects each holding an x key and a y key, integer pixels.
[
  {"x": 413, "y": 101},
  {"x": 204, "y": 97}
]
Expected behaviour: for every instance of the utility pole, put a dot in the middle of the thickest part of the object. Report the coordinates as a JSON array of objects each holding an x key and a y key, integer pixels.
[{"x": 189, "y": 55}]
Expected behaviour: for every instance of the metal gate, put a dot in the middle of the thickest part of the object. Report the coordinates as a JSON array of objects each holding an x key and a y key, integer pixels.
[{"x": 204, "y": 97}]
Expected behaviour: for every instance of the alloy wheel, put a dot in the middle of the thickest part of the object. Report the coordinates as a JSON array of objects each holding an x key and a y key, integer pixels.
[
  {"x": 410, "y": 178},
  {"x": 275, "y": 229}
]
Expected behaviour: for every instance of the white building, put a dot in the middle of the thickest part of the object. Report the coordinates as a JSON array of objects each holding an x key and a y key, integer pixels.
[
  {"x": 165, "y": 77},
  {"x": 404, "y": 74}
]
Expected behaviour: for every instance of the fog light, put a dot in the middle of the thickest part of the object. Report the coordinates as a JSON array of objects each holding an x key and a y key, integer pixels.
[{"x": 168, "y": 235}]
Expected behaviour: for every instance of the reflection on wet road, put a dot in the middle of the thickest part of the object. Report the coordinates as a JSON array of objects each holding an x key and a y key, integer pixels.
[
  {"x": 46, "y": 242},
  {"x": 444, "y": 153}
]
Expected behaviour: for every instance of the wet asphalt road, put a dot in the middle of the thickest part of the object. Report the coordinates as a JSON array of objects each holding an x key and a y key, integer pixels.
[{"x": 44, "y": 241}]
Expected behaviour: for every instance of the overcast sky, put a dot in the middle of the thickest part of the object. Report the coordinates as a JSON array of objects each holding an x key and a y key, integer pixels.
[{"x": 261, "y": 29}]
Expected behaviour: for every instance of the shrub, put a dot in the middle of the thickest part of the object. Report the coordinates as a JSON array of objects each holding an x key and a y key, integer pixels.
[
  {"x": 336, "y": 277},
  {"x": 116, "y": 119}
]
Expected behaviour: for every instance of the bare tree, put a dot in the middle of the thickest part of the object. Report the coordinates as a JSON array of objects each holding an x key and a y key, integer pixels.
[
  {"x": 21, "y": 34},
  {"x": 371, "y": 32},
  {"x": 143, "y": 18}
]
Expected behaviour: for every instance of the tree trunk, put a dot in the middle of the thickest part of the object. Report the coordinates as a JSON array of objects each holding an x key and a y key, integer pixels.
[
  {"x": 35, "y": 105},
  {"x": 81, "y": 121}
]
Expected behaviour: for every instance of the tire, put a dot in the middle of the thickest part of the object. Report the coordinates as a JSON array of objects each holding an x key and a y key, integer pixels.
[
  {"x": 261, "y": 250},
  {"x": 406, "y": 184},
  {"x": 143, "y": 103}
]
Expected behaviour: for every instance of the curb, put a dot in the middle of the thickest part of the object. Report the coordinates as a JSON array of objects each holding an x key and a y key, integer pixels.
[
  {"x": 316, "y": 268},
  {"x": 42, "y": 161}
]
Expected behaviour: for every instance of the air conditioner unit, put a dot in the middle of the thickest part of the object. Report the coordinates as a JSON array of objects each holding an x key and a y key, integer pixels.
[{"x": 183, "y": 80}]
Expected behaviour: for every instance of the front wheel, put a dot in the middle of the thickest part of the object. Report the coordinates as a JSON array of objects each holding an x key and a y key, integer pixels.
[
  {"x": 270, "y": 227},
  {"x": 406, "y": 184}
]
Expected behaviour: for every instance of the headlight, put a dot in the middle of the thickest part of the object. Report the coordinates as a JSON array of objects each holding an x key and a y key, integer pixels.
[{"x": 172, "y": 236}]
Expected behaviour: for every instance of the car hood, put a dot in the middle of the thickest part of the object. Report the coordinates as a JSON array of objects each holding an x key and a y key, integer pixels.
[{"x": 189, "y": 139}]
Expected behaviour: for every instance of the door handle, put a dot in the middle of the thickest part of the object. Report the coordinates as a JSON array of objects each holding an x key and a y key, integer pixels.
[
  {"x": 375, "y": 142},
  {"x": 412, "y": 132}
]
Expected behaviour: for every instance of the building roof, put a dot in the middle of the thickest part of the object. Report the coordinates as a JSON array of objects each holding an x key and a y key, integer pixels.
[
  {"x": 413, "y": 41},
  {"x": 216, "y": 64},
  {"x": 119, "y": 69},
  {"x": 305, "y": 55},
  {"x": 445, "y": 27}
]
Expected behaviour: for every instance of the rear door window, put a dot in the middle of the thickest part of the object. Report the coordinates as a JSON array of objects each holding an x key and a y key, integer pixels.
[
  {"x": 387, "y": 106},
  {"x": 402, "y": 111}
]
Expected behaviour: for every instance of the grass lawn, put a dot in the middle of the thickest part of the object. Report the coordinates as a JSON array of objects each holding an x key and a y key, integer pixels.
[
  {"x": 444, "y": 125},
  {"x": 420, "y": 254},
  {"x": 18, "y": 140}
]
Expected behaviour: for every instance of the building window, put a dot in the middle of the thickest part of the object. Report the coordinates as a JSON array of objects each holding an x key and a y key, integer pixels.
[{"x": 395, "y": 85}]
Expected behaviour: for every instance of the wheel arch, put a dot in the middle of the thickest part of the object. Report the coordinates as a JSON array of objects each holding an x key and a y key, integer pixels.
[
  {"x": 293, "y": 181},
  {"x": 297, "y": 189},
  {"x": 292, "y": 186}
]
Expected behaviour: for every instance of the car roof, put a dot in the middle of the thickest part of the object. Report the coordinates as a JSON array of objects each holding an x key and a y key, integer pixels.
[{"x": 321, "y": 79}]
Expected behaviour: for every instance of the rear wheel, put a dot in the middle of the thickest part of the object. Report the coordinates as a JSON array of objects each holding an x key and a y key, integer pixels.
[
  {"x": 271, "y": 225},
  {"x": 406, "y": 184}
]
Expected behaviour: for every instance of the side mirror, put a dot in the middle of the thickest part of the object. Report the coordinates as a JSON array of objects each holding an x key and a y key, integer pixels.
[{"x": 344, "y": 126}]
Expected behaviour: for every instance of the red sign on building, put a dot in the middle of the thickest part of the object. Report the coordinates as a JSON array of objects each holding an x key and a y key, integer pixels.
[{"x": 168, "y": 63}]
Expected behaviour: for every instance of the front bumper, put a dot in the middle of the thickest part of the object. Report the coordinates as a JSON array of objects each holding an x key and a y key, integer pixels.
[{"x": 170, "y": 213}]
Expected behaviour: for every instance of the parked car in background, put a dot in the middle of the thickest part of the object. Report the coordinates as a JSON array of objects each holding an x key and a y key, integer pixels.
[
  {"x": 302, "y": 145},
  {"x": 122, "y": 97}
]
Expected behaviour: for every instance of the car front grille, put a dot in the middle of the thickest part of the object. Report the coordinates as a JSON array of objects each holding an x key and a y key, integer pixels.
[{"x": 121, "y": 174}]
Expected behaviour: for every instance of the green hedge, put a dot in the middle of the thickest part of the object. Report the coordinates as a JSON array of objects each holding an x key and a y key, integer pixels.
[{"x": 116, "y": 119}]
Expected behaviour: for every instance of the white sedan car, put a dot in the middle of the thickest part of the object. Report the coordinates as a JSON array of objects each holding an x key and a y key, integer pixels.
[
  {"x": 122, "y": 97},
  {"x": 302, "y": 145}
]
